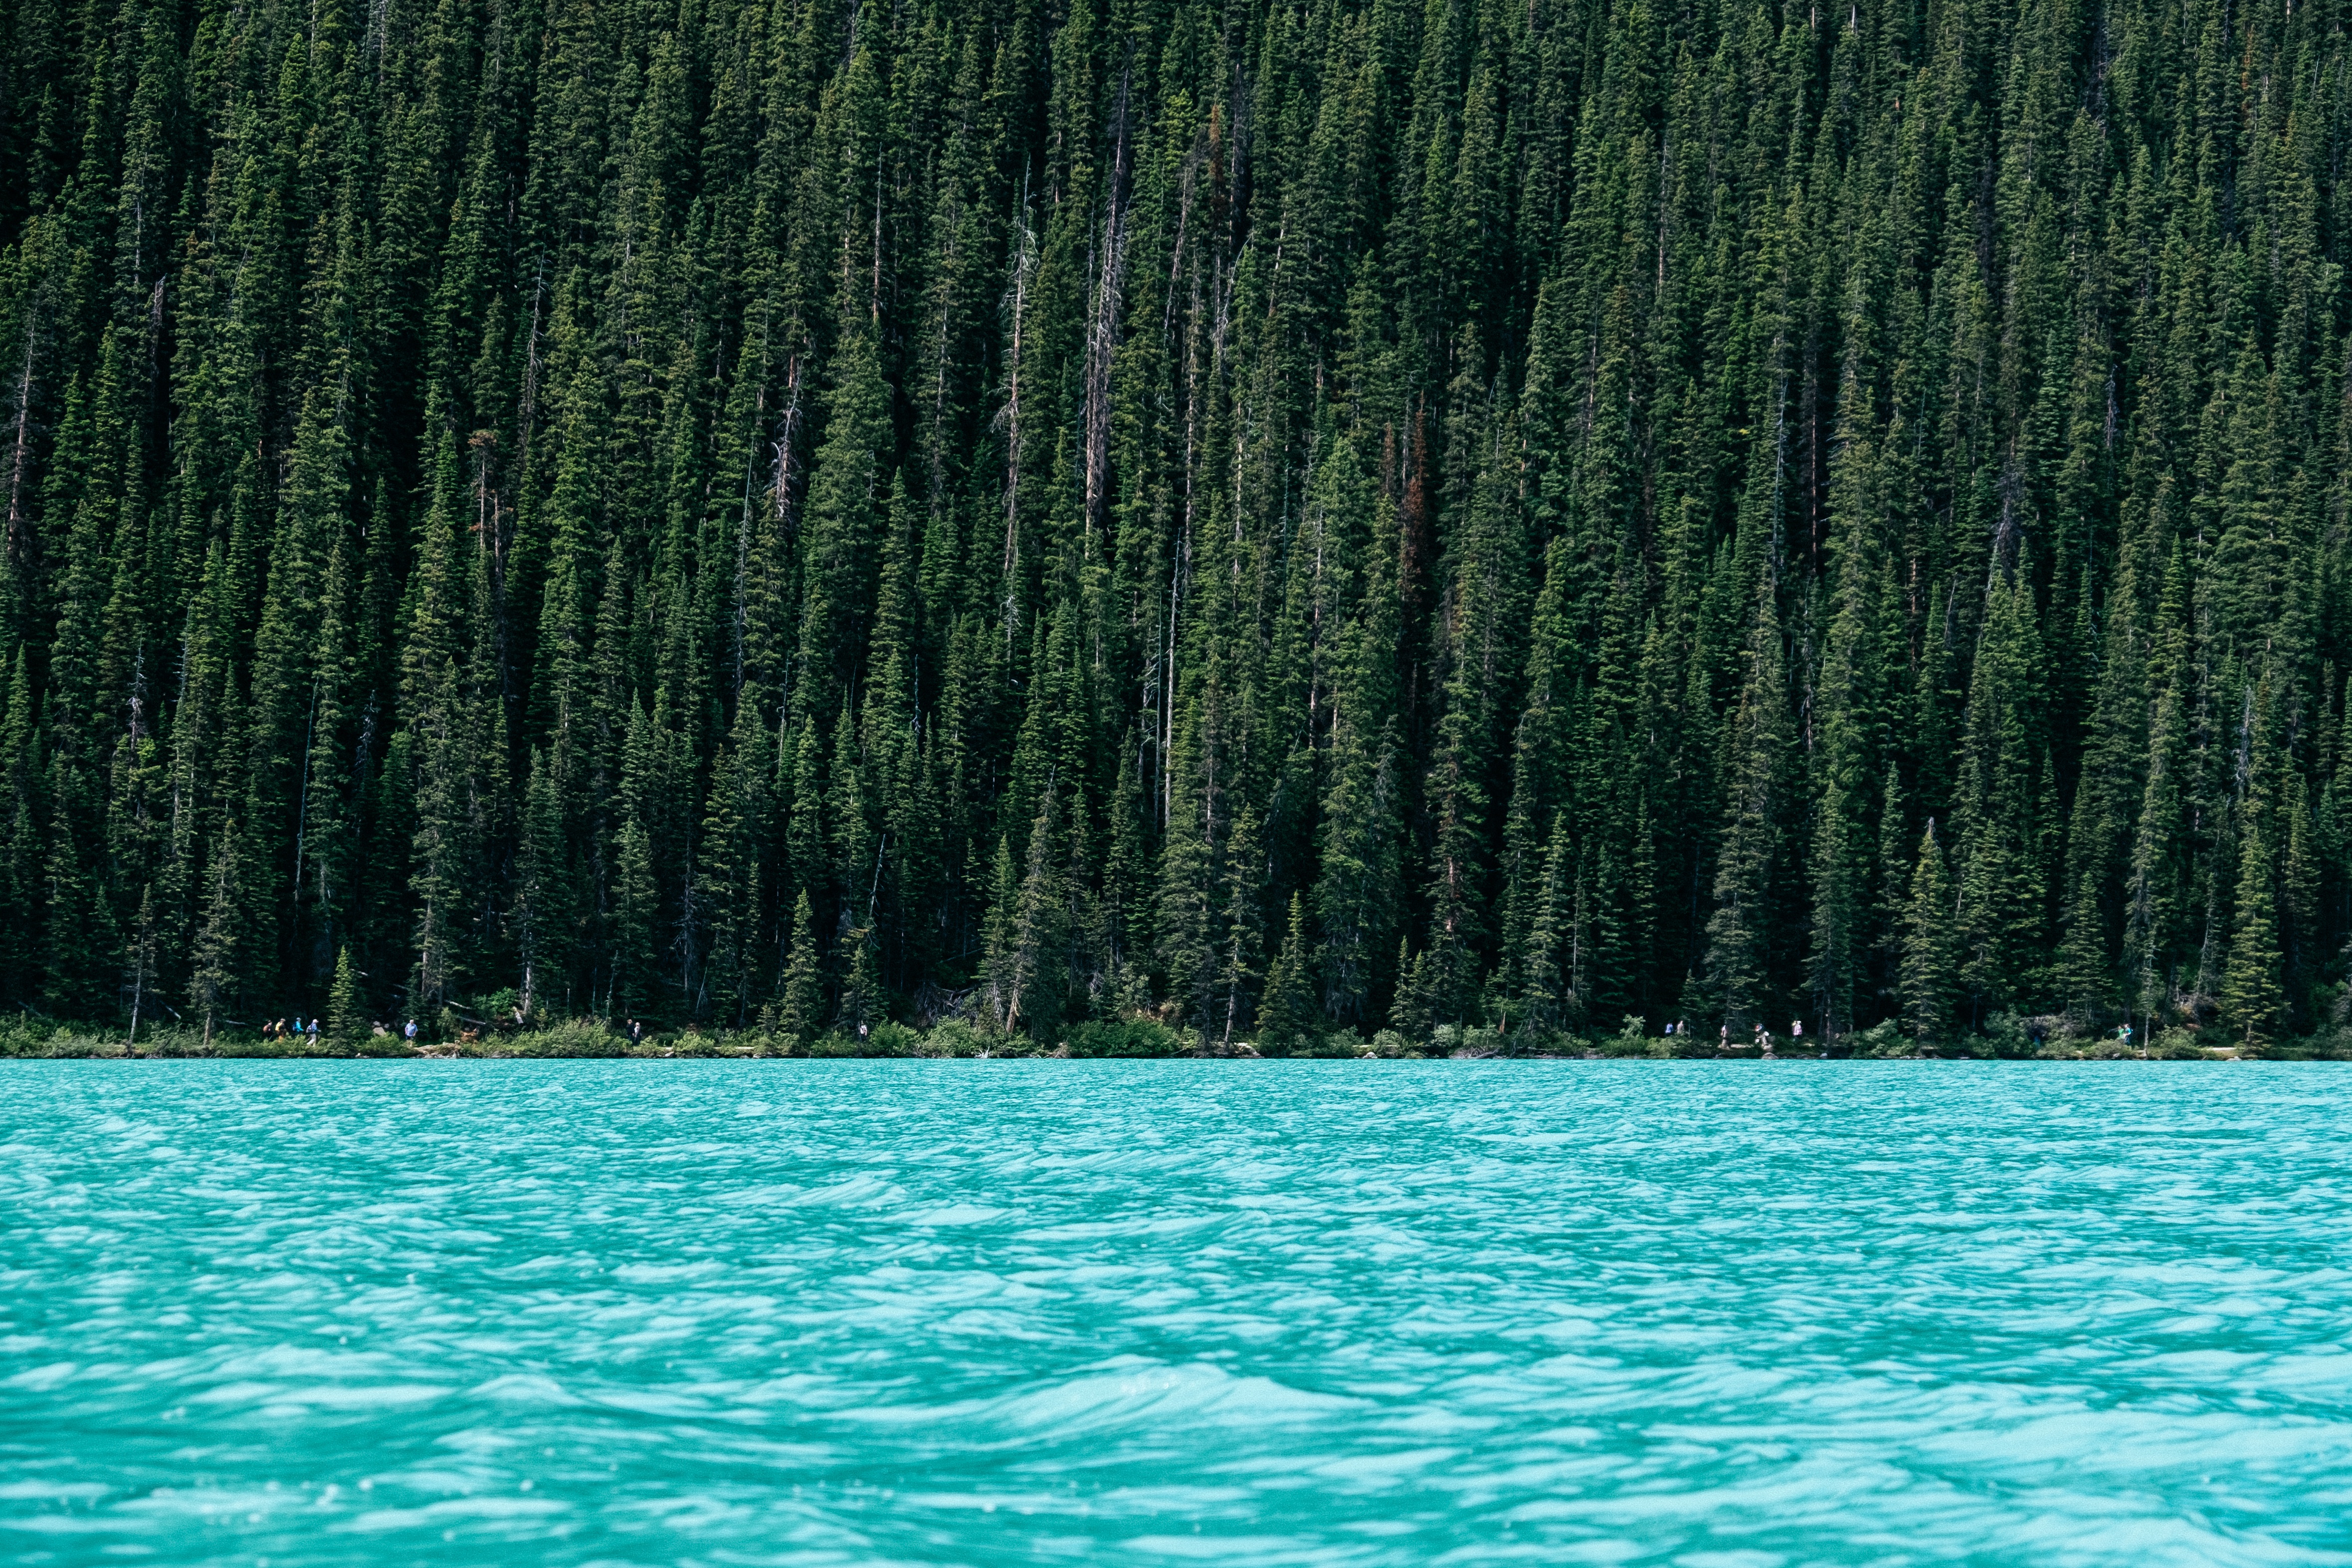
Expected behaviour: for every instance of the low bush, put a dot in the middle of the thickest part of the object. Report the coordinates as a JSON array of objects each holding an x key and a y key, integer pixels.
[
  {"x": 180, "y": 1041},
  {"x": 1632, "y": 1040},
  {"x": 886, "y": 1038},
  {"x": 1532, "y": 1039},
  {"x": 1125, "y": 1037},
  {"x": 2178, "y": 1046},
  {"x": 68, "y": 1043},
  {"x": 2006, "y": 1035},
  {"x": 576, "y": 1038},
  {"x": 1337, "y": 1044},
  {"x": 758, "y": 1041},
  {"x": 1884, "y": 1040},
  {"x": 951, "y": 1037},
  {"x": 251, "y": 1047}
]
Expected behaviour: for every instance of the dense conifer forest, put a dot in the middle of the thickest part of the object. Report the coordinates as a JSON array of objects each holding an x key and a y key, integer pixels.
[{"x": 1278, "y": 516}]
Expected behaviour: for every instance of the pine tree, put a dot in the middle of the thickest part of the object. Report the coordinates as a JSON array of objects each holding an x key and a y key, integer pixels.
[
  {"x": 846, "y": 494},
  {"x": 1029, "y": 952},
  {"x": 1929, "y": 964},
  {"x": 347, "y": 1020},
  {"x": 1738, "y": 958},
  {"x": 1241, "y": 942},
  {"x": 543, "y": 913},
  {"x": 1286, "y": 1017},
  {"x": 800, "y": 1010},
  {"x": 2251, "y": 995},
  {"x": 138, "y": 968},
  {"x": 213, "y": 976},
  {"x": 634, "y": 968}
]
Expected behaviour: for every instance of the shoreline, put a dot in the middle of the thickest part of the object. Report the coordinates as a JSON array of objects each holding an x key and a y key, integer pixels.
[
  {"x": 31, "y": 1038},
  {"x": 247, "y": 1051}
]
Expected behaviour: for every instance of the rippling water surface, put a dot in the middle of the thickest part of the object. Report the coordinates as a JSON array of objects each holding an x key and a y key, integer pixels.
[{"x": 1717, "y": 1315}]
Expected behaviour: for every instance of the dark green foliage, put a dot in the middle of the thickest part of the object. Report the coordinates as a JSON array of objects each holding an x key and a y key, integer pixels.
[
  {"x": 800, "y": 1007},
  {"x": 1262, "y": 518},
  {"x": 347, "y": 1019},
  {"x": 1287, "y": 1013},
  {"x": 1930, "y": 930}
]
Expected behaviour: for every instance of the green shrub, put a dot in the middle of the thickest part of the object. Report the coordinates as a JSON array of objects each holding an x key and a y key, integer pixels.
[
  {"x": 389, "y": 1044},
  {"x": 1481, "y": 1040},
  {"x": 254, "y": 1048},
  {"x": 1632, "y": 1040},
  {"x": 67, "y": 1042},
  {"x": 2180, "y": 1046},
  {"x": 2005, "y": 1034},
  {"x": 575, "y": 1037},
  {"x": 2331, "y": 1044},
  {"x": 1542, "y": 1040},
  {"x": 951, "y": 1037},
  {"x": 175, "y": 1041},
  {"x": 1389, "y": 1043},
  {"x": 1696, "y": 1047},
  {"x": 1125, "y": 1037},
  {"x": 1884, "y": 1040}
]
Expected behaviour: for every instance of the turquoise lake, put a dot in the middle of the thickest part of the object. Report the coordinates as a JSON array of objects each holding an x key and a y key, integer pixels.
[{"x": 1717, "y": 1315}]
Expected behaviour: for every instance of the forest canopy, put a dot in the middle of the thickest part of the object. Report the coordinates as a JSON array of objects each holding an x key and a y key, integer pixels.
[{"x": 1276, "y": 516}]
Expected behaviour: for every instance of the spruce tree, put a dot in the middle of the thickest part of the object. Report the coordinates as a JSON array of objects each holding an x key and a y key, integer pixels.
[
  {"x": 347, "y": 1022},
  {"x": 213, "y": 977},
  {"x": 1929, "y": 962},
  {"x": 2251, "y": 994},
  {"x": 1285, "y": 1017},
  {"x": 1738, "y": 956},
  {"x": 800, "y": 1009}
]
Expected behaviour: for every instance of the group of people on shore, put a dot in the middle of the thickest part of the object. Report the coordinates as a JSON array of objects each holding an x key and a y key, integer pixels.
[
  {"x": 1763, "y": 1041},
  {"x": 307, "y": 1030}
]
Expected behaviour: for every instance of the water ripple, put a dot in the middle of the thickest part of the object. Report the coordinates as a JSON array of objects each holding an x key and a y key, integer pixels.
[{"x": 1707, "y": 1315}]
